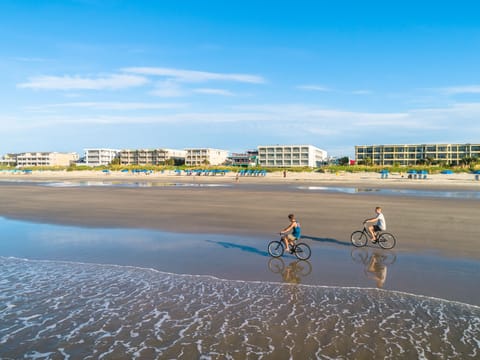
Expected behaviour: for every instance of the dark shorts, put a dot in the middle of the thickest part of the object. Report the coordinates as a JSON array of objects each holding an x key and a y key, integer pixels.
[{"x": 376, "y": 228}]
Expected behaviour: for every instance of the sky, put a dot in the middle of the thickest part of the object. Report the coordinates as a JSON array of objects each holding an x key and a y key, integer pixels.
[{"x": 237, "y": 74}]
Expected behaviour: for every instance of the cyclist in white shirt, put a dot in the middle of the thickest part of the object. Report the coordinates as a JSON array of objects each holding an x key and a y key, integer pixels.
[{"x": 380, "y": 223}]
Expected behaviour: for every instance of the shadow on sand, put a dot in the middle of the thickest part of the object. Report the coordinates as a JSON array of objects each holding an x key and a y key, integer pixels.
[
  {"x": 249, "y": 249},
  {"x": 327, "y": 240}
]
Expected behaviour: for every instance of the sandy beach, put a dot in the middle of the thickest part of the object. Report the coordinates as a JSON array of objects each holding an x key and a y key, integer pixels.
[
  {"x": 166, "y": 266},
  {"x": 254, "y": 205}
]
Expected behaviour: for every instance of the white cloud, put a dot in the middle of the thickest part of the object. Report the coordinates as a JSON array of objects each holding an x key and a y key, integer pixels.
[
  {"x": 111, "y": 82},
  {"x": 314, "y": 88},
  {"x": 466, "y": 89},
  {"x": 192, "y": 76},
  {"x": 361, "y": 92},
  {"x": 109, "y": 106},
  {"x": 168, "y": 89},
  {"x": 222, "y": 92}
]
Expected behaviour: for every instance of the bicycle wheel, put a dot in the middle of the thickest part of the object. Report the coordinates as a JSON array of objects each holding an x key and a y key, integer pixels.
[
  {"x": 302, "y": 251},
  {"x": 386, "y": 241},
  {"x": 275, "y": 248},
  {"x": 276, "y": 265},
  {"x": 358, "y": 238},
  {"x": 303, "y": 268},
  {"x": 359, "y": 255}
]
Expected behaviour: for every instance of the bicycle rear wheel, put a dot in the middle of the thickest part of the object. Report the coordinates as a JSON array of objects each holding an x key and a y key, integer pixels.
[
  {"x": 275, "y": 248},
  {"x": 386, "y": 241},
  {"x": 302, "y": 251},
  {"x": 358, "y": 238}
]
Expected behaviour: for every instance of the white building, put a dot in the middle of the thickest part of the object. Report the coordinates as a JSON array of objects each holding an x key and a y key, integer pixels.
[
  {"x": 205, "y": 156},
  {"x": 152, "y": 156},
  {"x": 99, "y": 157},
  {"x": 291, "y": 156},
  {"x": 46, "y": 159}
]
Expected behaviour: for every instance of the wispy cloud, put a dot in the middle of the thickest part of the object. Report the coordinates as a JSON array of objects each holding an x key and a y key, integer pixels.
[
  {"x": 192, "y": 76},
  {"x": 111, "y": 82},
  {"x": 361, "y": 92},
  {"x": 168, "y": 89},
  {"x": 314, "y": 88},
  {"x": 120, "y": 106},
  {"x": 208, "y": 91},
  {"x": 465, "y": 89}
]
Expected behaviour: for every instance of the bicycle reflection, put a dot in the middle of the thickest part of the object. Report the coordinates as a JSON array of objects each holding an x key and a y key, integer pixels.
[
  {"x": 291, "y": 273},
  {"x": 375, "y": 263}
]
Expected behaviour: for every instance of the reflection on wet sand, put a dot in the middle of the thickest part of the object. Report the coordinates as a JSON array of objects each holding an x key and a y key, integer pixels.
[
  {"x": 378, "y": 270},
  {"x": 375, "y": 264},
  {"x": 291, "y": 273}
]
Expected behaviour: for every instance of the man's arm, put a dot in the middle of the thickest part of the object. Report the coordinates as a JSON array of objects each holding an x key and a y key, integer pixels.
[{"x": 372, "y": 219}]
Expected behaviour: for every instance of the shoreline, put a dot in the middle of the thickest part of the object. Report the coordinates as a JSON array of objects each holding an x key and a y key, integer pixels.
[{"x": 461, "y": 181}]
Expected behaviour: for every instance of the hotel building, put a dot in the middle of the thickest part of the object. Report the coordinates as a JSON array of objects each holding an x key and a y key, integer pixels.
[
  {"x": 45, "y": 159},
  {"x": 100, "y": 157},
  {"x": 386, "y": 155},
  {"x": 152, "y": 156},
  {"x": 291, "y": 156},
  {"x": 204, "y": 156},
  {"x": 248, "y": 158}
]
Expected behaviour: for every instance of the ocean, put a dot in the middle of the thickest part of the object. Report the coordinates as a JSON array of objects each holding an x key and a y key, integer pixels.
[{"x": 69, "y": 310}]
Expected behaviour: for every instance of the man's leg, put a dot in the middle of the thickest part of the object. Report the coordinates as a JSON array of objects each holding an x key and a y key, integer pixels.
[{"x": 372, "y": 232}]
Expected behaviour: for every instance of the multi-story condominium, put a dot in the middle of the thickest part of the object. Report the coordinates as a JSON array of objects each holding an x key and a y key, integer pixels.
[
  {"x": 99, "y": 157},
  {"x": 405, "y": 155},
  {"x": 205, "y": 156},
  {"x": 46, "y": 159},
  {"x": 152, "y": 156},
  {"x": 291, "y": 156},
  {"x": 248, "y": 158},
  {"x": 9, "y": 160}
]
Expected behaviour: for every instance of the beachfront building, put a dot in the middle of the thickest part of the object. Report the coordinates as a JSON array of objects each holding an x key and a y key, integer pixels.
[
  {"x": 9, "y": 160},
  {"x": 205, "y": 156},
  {"x": 100, "y": 157},
  {"x": 405, "y": 155},
  {"x": 152, "y": 156},
  {"x": 248, "y": 158},
  {"x": 46, "y": 159},
  {"x": 291, "y": 156}
]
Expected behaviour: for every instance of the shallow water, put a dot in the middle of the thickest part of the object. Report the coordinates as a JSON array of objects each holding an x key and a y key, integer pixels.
[
  {"x": 72, "y": 310},
  {"x": 460, "y": 194},
  {"x": 396, "y": 192},
  {"x": 119, "y": 294}
]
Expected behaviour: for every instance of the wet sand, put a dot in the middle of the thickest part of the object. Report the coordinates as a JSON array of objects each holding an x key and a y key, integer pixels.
[
  {"x": 256, "y": 207},
  {"x": 141, "y": 305}
]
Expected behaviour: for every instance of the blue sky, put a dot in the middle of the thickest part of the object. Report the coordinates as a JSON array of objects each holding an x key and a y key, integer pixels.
[{"x": 237, "y": 74}]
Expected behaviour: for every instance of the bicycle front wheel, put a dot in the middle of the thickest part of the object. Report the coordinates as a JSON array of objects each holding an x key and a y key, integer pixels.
[
  {"x": 302, "y": 251},
  {"x": 275, "y": 248},
  {"x": 358, "y": 238},
  {"x": 386, "y": 241}
]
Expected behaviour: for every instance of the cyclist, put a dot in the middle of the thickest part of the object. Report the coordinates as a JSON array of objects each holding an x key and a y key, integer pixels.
[
  {"x": 380, "y": 223},
  {"x": 290, "y": 237}
]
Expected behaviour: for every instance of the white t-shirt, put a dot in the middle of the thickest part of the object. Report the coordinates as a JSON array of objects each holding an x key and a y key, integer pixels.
[{"x": 381, "y": 223}]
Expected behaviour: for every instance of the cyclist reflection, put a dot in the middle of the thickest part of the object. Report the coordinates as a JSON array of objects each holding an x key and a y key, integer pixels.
[
  {"x": 293, "y": 272},
  {"x": 375, "y": 264},
  {"x": 377, "y": 270}
]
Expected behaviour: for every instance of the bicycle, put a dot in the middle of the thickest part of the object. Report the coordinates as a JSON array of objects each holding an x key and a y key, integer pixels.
[
  {"x": 302, "y": 251},
  {"x": 386, "y": 240}
]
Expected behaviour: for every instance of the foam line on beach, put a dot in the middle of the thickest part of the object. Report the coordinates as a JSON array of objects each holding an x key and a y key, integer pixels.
[
  {"x": 211, "y": 277},
  {"x": 101, "y": 310}
]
